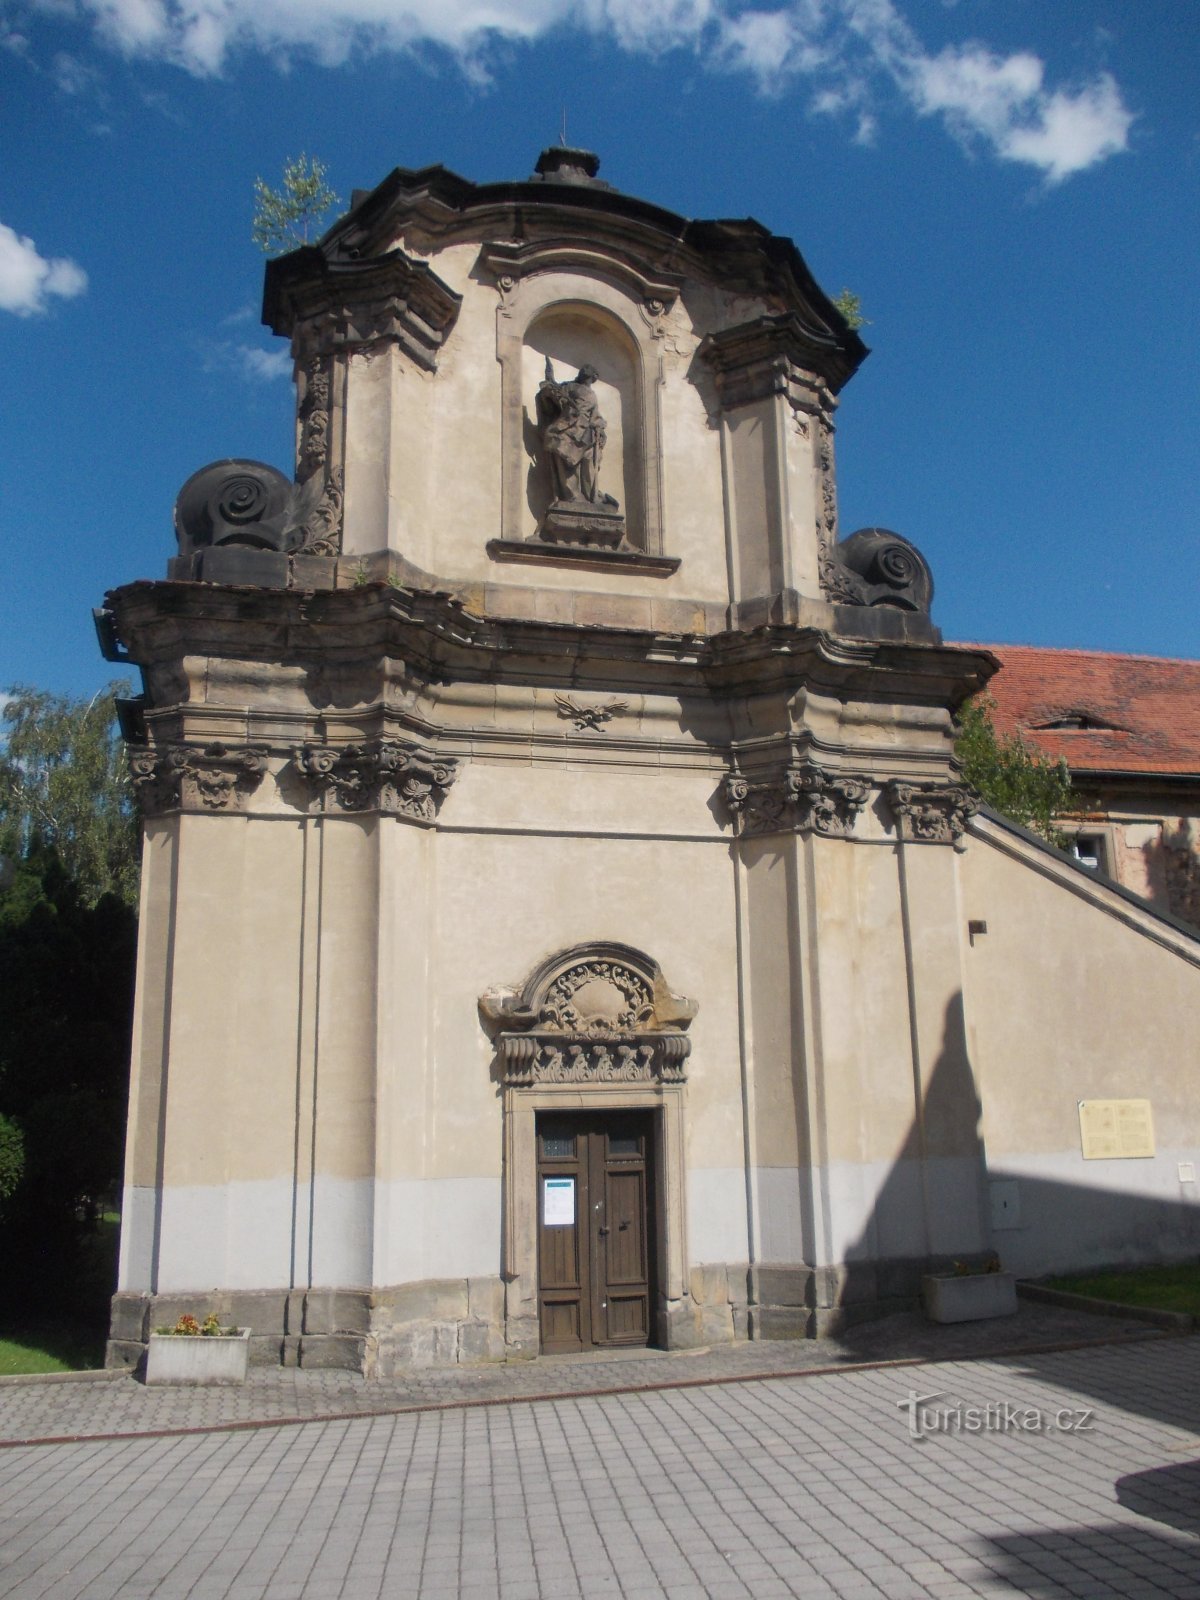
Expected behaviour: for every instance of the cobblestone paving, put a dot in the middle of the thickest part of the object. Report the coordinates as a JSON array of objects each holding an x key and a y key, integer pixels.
[
  {"x": 37, "y": 1409},
  {"x": 807, "y": 1486}
]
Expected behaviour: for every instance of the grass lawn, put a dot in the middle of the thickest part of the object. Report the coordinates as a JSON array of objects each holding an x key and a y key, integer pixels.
[
  {"x": 1163, "y": 1288},
  {"x": 48, "y": 1347},
  {"x": 37, "y": 1339}
]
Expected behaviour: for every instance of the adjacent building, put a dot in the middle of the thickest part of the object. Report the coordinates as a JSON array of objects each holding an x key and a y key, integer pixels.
[{"x": 1128, "y": 728}]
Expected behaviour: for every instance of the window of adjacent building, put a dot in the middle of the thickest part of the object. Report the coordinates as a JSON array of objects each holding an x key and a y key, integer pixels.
[{"x": 1090, "y": 850}]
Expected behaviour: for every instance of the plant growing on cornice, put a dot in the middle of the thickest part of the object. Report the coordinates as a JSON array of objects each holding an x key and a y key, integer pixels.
[
  {"x": 850, "y": 305},
  {"x": 1013, "y": 779},
  {"x": 288, "y": 217}
]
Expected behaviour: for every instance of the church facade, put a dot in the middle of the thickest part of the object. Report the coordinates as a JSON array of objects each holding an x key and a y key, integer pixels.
[{"x": 563, "y": 925}]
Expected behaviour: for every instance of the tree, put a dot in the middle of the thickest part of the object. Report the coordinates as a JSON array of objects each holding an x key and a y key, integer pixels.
[
  {"x": 284, "y": 218},
  {"x": 68, "y": 885},
  {"x": 66, "y": 990},
  {"x": 64, "y": 785},
  {"x": 1010, "y": 777},
  {"x": 850, "y": 305}
]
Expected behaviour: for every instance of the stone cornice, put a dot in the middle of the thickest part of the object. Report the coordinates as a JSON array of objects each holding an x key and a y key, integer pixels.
[
  {"x": 741, "y": 255},
  {"x": 438, "y": 632},
  {"x": 801, "y": 798},
  {"x": 528, "y": 1059},
  {"x": 333, "y": 304},
  {"x": 508, "y": 262},
  {"x": 779, "y": 354}
]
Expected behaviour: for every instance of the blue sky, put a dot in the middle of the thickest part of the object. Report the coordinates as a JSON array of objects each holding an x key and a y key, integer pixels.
[{"x": 1011, "y": 188}]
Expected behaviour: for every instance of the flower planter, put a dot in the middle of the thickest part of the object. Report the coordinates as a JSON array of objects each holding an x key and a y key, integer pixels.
[
  {"x": 970, "y": 1298},
  {"x": 196, "y": 1359}
]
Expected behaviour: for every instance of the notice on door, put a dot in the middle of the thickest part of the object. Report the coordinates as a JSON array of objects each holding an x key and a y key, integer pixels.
[
  {"x": 558, "y": 1202},
  {"x": 1115, "y": 1130}
]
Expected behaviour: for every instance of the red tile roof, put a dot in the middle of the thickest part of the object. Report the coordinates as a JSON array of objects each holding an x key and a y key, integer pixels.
[{"x": 1114, "y": 713}]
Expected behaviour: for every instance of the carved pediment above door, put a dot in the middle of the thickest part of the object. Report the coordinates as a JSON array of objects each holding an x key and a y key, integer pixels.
[{"x": 599, "y": 1013}]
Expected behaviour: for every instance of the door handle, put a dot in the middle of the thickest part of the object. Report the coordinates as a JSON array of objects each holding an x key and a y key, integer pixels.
[
  {"x": 623, "y": 1226},
  {"x": 601, "y": 1231}
]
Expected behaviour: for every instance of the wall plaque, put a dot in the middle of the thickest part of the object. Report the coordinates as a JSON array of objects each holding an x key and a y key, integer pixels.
[{"x": 1115, "y": 1130}]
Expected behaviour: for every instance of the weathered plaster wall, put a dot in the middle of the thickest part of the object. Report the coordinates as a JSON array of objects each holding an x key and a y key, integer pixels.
[{"x": 1075, "y": 993}]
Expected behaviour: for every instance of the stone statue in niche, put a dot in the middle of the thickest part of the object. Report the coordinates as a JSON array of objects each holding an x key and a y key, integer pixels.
[{"x": 573, "y": 436}]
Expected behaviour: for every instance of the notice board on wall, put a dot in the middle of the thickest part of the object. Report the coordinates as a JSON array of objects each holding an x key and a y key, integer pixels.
[{"x": 1115, "y": 1130}]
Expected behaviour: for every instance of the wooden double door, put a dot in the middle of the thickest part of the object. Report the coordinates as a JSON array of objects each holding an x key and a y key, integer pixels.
[{"x": 595, "y": 1229}]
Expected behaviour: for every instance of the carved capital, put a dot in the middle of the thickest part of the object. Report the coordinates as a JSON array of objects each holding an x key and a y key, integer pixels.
[
  {"x": 213, "y": 777},
  {"x": 930, "y": 813},
  {"x": 387, "y": 775},
  {"x": 798, "y": 799}
]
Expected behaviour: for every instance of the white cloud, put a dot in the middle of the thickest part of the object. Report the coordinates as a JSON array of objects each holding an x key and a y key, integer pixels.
[
  {"x": 847, "y": 49},
  {"x": 773, "y": 46},
  {"x": 264, "y": 366},
  {"x": 1072, "y": 131},
  {"x": 246, "y": 361},
  {"x": 1003, "y": 100},
  {"x": 28, "y": 280}
]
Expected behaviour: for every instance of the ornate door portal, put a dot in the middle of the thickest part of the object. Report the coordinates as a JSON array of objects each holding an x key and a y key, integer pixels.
[{"x": 595, "y": 1248}]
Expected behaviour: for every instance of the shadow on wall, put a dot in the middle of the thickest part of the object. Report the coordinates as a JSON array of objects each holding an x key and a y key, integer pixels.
[
  {"x": 1173, "y": 861},
  {"x": 944, "y": 1201}
]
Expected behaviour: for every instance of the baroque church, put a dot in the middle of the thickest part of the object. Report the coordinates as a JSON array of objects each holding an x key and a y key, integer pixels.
[{"x": 563, "y": 924}]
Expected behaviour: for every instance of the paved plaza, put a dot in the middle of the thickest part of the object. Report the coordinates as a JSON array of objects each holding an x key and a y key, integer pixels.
[{"x": 1049, "y": 1473}]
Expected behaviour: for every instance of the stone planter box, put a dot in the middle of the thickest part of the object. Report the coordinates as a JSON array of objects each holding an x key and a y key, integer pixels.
[
  {"x": 194, "y": 1359},
  {"x": 969, "y": 1299}
]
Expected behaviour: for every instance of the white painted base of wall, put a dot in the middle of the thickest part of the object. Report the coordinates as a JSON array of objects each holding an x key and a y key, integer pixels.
[{"x": 1074, "y": 1214}]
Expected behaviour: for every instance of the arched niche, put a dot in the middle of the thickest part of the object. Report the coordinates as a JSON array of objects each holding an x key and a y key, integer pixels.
[
  {"x": 569, "y": 335},
  {"x": 577, "y": 317}
]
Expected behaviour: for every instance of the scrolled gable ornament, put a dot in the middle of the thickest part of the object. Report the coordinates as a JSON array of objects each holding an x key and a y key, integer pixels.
[
  {"x": 931, "y": 813},
  {"x": 798, "y": 799}
]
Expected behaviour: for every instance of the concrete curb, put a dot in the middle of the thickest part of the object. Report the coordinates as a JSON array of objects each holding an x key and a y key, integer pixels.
[
  {"x": 1043, "y": 1294},
  {"x": 100, "y": 1375}
]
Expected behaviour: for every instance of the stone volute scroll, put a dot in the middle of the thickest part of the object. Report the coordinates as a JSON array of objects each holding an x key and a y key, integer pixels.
[{"x": 598, "y": 1014}]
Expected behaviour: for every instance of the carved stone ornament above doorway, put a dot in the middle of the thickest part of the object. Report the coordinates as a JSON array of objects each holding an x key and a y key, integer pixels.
[
  {"x": 596, "y": 1014},
  {"x": 392, "y": 776},
  {"x": 797, "y": 799}
]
